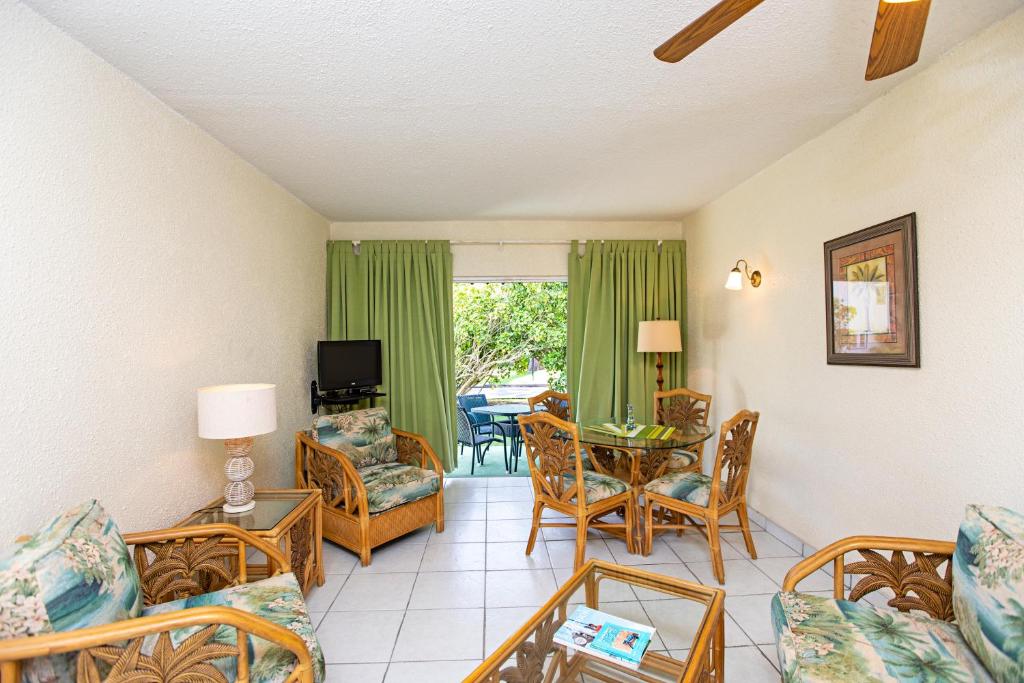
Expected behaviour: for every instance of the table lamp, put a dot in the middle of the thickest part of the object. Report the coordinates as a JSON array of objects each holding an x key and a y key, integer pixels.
[
  {"x": 659, "y": 336},
  {"x": 236, "y": 413}
]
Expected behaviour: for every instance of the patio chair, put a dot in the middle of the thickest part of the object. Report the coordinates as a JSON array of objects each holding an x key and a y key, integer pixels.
[
  {"x": 487, "y": 424},
  {"x": 689, "y": 496},
  {"x": 470, "y": 434},
  {"x": 681, "y": 408}
]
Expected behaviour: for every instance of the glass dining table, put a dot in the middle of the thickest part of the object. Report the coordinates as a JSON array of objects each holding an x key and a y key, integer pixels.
[{"x": 637, "y": 459}]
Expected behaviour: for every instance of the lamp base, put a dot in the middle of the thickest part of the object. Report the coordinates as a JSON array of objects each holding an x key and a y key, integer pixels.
[{"x": 238, "y": 509}]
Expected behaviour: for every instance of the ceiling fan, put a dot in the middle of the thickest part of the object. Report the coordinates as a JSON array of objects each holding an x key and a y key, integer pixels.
[{"x": 895, "y": 45}]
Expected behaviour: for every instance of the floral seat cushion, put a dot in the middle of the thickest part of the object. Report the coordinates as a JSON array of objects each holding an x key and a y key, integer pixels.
[
  {"x": 393, "y": 484},
  {"x": 988, "y": 588},
  {"x": 821, "y": 640},
  {"x": 277, "y": 599},
  {"x": 74, "y": 572},
  {"x": 363, "y": 435},
  {"x": 690, "y": 487},
  {"x": 598, "y": 486},
  {"x": 681, "y": 459}
]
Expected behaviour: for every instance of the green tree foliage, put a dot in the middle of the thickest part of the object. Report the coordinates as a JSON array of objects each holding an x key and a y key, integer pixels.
[{"x": 501, "y": 326}]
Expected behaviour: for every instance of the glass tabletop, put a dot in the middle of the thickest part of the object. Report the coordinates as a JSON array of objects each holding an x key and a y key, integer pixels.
[
  {"x": 503, "y": 409},
  {"x": 271, "y": 508},
  {"x": 681, "y": 437}
]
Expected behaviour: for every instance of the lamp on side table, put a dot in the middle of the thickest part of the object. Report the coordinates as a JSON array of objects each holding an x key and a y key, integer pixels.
[{"x": 236, "y": 413}]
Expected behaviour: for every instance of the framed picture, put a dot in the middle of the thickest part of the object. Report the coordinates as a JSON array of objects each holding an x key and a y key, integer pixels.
[{"x": 871, "y": 296}]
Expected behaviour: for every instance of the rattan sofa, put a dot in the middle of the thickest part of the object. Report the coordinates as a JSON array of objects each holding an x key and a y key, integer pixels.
[
  {"x": 79, "y": 601},
  {"x": 378, "y": 483}
]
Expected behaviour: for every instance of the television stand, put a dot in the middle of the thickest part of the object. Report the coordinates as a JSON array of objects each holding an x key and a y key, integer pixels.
[{"x": 340, "y": 398}]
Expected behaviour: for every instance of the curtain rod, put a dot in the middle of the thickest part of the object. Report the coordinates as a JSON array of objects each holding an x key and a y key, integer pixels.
[{"x": 502, "y": 243}]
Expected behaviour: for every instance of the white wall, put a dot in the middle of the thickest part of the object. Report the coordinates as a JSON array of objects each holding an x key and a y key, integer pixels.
[
  {"x": 509, "y": 261},
  {"x": 845, "y": 450},
  {"x": 139, "y": 260}
]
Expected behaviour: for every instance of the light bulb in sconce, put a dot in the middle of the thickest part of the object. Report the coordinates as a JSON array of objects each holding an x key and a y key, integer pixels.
[{"x": 736, "y": 276}]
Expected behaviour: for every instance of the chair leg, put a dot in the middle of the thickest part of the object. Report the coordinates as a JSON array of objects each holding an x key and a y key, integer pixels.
[
  {"x": 632, "y": 531},
  {"x": 538, "y": 508},
  {"x": 581, "y": 544},
  {"x": 472, "y": 467},
  {"x": 649, "y": 526},
  {"x": 715, "y": 546},
  {"x": 741, "y": 512}
]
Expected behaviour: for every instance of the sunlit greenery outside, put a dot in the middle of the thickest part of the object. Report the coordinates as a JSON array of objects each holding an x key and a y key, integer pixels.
[{"x": 500, "y": 327}]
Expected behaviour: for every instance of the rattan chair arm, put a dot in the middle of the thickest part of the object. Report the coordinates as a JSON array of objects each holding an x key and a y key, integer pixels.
[
  {"x": 428, "y": 452},
  {"x": 274, "y": 555},
  {"x": 836, "y": 552},
  {"x": 351, "y": 473},
  {"x": 116, "y": 633}
]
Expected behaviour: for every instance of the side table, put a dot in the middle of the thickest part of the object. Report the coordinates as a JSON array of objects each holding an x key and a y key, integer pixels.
[{"x": 290, "y": 519}]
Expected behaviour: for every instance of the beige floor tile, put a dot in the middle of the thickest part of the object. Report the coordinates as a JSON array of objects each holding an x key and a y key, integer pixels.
[
  {"x": 748, "y": 664},
  {"x": 753, "y": 614},
  {"x": 320, "y": 598},
  {"x": 429, "y": 672},
  {"x": 777, "y": 567},
  {"x": 513, "y": 556},
  {"x": 449, "y": 557},
  {"x": 498, "y": 494},
  {"x": 364, "y": 673},
  {"x": 519, "y": 588},
  {"x": 460, "y": 532},
  {"x": 443, "y": 590},
  {"x": 396, "y": 556},
  {"x": 449, "y": 634},
  {"x": 692, "y": 547},
  {"x": 463, "y": 511},
  {"x": 765, "y": 544},
  {"x": 676, "y": 570},
  {"x": 515, "y": 509},
  {"x": 375, "y": 592},
  {"x": 608, "y": 590},
  {"x": 501, "y": 622},
  {"x": 741, "y": 577},
  {"x": 563, "y": 553},
  {"x": 509, "y": 531},
  {"x": 338, "y": 560},
  {"x": 336, "y": 630}
]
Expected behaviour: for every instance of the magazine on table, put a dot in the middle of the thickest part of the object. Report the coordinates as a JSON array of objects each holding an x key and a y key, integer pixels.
[{"x": 605, "y": 636}]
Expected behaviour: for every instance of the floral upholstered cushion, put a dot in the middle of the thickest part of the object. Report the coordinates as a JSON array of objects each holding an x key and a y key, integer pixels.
[
  {"x": 681, "y": 459},
  {"x": 363, "y": 435},
  {"x": 74, "y": 572},
  {"x": 394, "y": 484},
  {"x": 988, "y": 588},
  {"x": 598, "y": 486},
  {"x": 277, "y": 599},
  {"x": 690, "y": 487},
  {"x": 821, "y": 640}
]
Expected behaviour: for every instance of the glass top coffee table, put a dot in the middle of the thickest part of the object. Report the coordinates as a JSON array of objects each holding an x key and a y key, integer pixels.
[{"x": 525, "y": 655}]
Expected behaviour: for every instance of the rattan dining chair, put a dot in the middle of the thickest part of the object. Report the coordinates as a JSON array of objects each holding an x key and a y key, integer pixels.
[
  {"x": 683, "y": 498},
  {"x": 561, "y": 483},
  {"x": 554, "y": 402},
  {"x": 682, "y": 408}
]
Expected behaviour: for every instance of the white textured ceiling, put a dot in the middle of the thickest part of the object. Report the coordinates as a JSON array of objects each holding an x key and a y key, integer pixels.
[{"x": 459, "y": 109}]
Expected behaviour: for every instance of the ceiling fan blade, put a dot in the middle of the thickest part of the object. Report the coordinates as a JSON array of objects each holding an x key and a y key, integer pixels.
[
  {"x": 709, "y": 25},
  {"x": 899, "y": 30}
]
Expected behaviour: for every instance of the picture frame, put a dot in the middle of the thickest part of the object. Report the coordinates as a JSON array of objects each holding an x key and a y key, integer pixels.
[{"x": 871, "y": 296}]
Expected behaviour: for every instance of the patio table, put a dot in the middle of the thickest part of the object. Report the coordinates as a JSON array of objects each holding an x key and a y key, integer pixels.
[{"x": 509, "y": 411}]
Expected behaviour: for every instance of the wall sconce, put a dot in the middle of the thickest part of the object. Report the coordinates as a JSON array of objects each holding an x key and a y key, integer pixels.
[{"x": 735, "y": 280}]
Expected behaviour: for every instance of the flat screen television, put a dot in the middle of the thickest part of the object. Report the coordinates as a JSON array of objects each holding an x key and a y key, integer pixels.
[{"x": 352, "y": 364}]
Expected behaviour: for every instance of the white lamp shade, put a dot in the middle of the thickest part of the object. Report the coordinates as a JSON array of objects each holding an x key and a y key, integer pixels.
[
  {"x": 659, "y": 335},
  {"x": 735, "y": 280},
  {"x": 234, "y": 411}
]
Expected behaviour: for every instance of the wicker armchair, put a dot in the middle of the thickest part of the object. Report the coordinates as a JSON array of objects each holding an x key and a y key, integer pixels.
[
  {"x": 171, "y": 640},
  {"x": 378, "y": 483}
]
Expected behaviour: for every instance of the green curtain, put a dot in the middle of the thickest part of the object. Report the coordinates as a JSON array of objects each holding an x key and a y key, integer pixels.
[
  {"x": 612, "y": 287},
  {"x": 401, "y": 293}
]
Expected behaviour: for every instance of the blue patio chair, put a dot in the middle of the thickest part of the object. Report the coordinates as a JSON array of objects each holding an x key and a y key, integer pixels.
[
  {"x": 469, "y": 435},
  {"x": 487, "y": 424}
]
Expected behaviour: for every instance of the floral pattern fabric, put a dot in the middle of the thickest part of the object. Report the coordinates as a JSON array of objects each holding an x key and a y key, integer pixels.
[
  {"x": 823, "y": 640},
  {"x": 681, "y": 459},
  {"x": 393, "y": 484},
  {"x": 988, "y": 588},
  {"x": 363, "y": 435},
  {"x": 690, "y": 487},
  {"x": 74, "y": 572},
  {"x": 277, "y": 599},
  {"x": 598, "y": 486}
]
